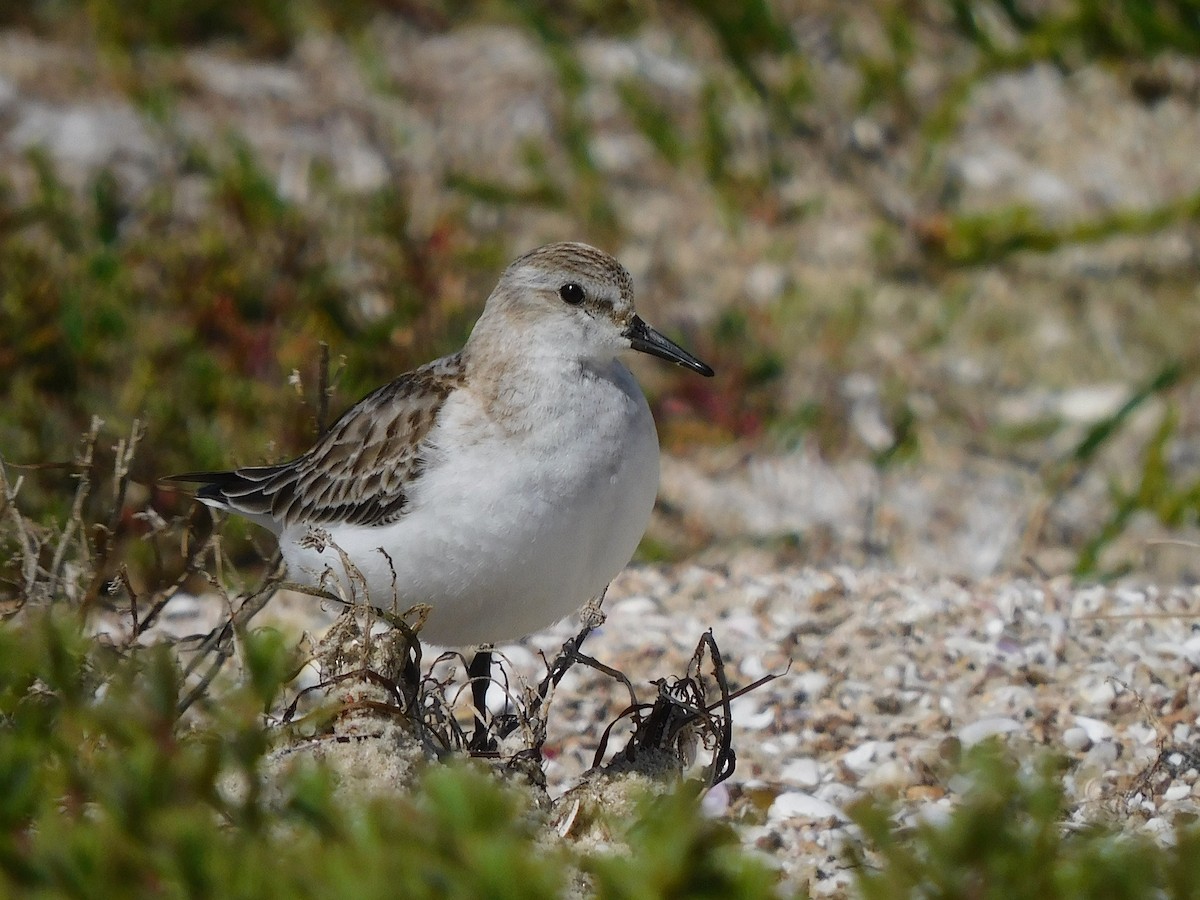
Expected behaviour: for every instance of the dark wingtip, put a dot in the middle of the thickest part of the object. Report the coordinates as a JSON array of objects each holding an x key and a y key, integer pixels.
[
  {"x": 212, "y": 484},
  {"x": 194, "y": 477}
]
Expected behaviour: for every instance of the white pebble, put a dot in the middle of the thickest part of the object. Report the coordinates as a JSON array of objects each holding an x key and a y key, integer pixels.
[
  {"x": 1191, "y": 650},
  {"x": 1177, "y": 791},
  {"x": 752, "y": 668},
  {"x": 749, "y": 714},
  {"x": 889, "y": 773},
  {"x": 1142, "y": 734},
  {"x": 813, "y": 683},
  {"x": 1096, "y": 729},
  {"x": 182, "y": 606},
  {"x": 860, "y": 760},
  {"x": 937, "y": 813},
  {"x": 1157, "y": 826},
  {"x": 1103, "y": 754},
  {"x": 1101, "y": 694},
  {"x": 798, "y": 805},
  {"x": 836, "y": 793},
  {"x": 716, "y": 801},
  {"x": 985, "y": 728},
  {"x": 1076, "y": 739},
  {"x": 633, "y": 608},
  {"x": 803, "y": 772}
]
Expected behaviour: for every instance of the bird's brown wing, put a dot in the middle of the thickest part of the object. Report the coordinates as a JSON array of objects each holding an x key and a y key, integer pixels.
[{"x": 358, "y": 472}]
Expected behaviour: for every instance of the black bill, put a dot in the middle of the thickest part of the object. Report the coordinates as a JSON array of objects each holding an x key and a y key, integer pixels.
[{"x": 646, "y": 340}]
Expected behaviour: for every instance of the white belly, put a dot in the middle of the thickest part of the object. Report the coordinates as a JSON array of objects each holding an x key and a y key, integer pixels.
[{"x": 508, "y": 531}]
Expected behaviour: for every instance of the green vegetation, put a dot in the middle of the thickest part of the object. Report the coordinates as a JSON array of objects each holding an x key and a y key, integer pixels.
[
  {"x": 974, "y": 240},
  {"x": 194, "y": 324},
  {"x": 1172, "y": 501},
  {"x": 1082, "y": 29},
  {"x": 105, "y": 793},
  {"x": 1007, "y": 839}
]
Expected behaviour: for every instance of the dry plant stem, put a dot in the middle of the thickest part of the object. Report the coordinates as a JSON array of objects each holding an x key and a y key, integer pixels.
[
  {"x": 752, "y": 686},
  {"x": 679, "y": 706},
  {"x": 1166, "y": 749},
  {"x": 395, "y": 619},
  {"x": 223, "y": 652},
  {"x": 192, "y": 565},
  {"x": 395, "y": 584},
  {"x": 568, "y": 656},
  {"x": 84, "y": 463},
  {"x": 312, "y": 591},
  {"x": 436, "y": 711},
  {"x": 400, "y": 707},
  {"x": 74, "y": 539},
  {"x": 196, "y": 553},
  {"x": 323, "y": 389},
  {"x": 122, "y": 578},
  {"x": 635, "y": 710},
  {"x": 724, "y": 759},
  {"x": 593, "y": 617},
  {"x": 125, "y": 450},
  {"x": 29, "y": 544},
  {"x": 523, "y": 715},
  {"x": 219, "y": 642},
  {"x": 615, "y": 674}
]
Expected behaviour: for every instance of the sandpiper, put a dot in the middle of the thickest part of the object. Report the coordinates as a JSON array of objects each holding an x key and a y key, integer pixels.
[{"x": 503, "y": 486}]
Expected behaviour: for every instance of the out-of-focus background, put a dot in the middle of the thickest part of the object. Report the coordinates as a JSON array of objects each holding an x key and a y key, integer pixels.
[{"x": 943, "y": 254}]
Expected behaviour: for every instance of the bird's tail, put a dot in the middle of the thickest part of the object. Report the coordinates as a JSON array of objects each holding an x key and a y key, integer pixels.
[{"x": 238, "y": 491}]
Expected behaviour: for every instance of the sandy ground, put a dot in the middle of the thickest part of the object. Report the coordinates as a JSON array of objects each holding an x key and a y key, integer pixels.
[{"x": 885, "y": 677}]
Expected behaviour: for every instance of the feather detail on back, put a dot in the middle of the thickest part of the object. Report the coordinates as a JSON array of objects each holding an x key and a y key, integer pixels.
[{"x": 358, "y": 472}]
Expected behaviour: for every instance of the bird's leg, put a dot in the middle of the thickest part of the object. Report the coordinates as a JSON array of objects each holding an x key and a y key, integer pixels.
[
  {"x": 479, "y": 671},
  {"x": 592, "y": 616}
]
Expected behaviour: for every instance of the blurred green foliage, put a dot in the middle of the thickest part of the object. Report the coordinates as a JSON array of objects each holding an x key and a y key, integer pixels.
[
  {"x": 981, "y": 239},
  {"x": 260, "y": 26},
  {"x": 1007, "y": 839},
  {"x": 105, "y": 793},
  {"x": 190, "y": 323},
  {"x": 703, "y": 859},
  {"x": 1080, "y": 29},
  {"x": 1170, "y": 500}
]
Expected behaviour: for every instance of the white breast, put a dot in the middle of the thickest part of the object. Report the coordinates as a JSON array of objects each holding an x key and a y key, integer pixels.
[{"x": 519, "y": 519}]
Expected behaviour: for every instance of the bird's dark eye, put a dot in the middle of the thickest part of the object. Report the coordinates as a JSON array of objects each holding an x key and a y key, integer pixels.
[{"x": 571, "y": 293}]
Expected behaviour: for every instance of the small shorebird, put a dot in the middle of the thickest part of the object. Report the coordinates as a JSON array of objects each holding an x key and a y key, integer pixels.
[{"x": 504, "y": 485}]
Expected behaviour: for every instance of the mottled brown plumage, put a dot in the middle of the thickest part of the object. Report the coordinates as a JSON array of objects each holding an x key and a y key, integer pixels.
[{"x": 359, "y": 470}]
